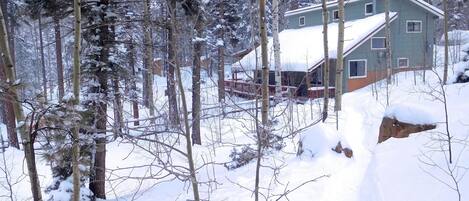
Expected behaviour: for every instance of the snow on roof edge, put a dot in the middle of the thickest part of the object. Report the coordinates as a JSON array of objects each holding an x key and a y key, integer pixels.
[
  {"x": 438, "y": 12},
  {"x": 293, "y": 60}
]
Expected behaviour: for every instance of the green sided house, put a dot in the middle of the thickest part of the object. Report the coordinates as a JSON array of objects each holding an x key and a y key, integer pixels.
[{"x": 302, "y": 53}]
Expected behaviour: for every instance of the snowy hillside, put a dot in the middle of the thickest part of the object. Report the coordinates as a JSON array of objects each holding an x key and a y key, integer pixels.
[{"x": 413, "y": 168}]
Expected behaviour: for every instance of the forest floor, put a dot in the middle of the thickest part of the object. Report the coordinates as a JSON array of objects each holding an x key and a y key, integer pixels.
[{"x": 413, "y": 168}]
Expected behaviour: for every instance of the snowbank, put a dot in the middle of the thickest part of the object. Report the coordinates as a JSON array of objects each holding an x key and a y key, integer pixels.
[
  {"x": 302, "y": 49},
  {"x": 456, "y": 37},
  {"x": 410, "y": 113},
  {"x": 320, "y": 139}
]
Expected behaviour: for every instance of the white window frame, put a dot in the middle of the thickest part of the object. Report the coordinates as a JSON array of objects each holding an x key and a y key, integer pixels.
[
  {"x": 407, "y": 26},
  {"x": 304, "y": 21},
  {"x": 333, "y": 16},
  {"x": 398, "y": 62},
  {"x": 366, "y": 69},
  {"x": 371, "y": 42},
  {"x": 366, "y": 5}
]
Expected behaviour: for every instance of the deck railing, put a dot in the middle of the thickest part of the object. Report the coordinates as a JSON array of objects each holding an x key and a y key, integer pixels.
[{"x": 250, "y": 89}]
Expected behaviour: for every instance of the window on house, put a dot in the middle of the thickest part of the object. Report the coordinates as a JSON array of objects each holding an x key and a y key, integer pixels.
[
  {"x": 378, "y": 43},
  {"x": 403, "y": 62},
  {"x": 369, "y": 9},
  {"x": 414, "y": 26},
  {"x": 357, "y": 68},
  {"x": 302, "y": 21},
  {"x": 335, "y": 15}
]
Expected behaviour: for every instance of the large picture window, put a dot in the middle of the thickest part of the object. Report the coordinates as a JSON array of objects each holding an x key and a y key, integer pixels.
[
  {"x": 414, "y": 26},
  {"x": 357, "y": 68},
  {"x": 378, "y": 43}
]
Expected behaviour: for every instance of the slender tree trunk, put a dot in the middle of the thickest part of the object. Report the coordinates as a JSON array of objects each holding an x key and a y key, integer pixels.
[
  {"x": 187, "y": 130},
  {"x": 133, "y": 96},
  {"x": 445, "y": 75},
  {"x": 196, "y": 105},
  {"x": 388, "y": 49},
  {"x": 340, "y": 61},
  {"x": 118, "y": 108},
  {"x": 27, "y": 141},
  {"x": 265, "y": 94},
  {"x": 325, "y": 18},
  {"x": 276, "y": 45},
  {"x": 221, "y": 58},
  {"x": 76, "y": 93},
  {"x": 148, "y": 58},
  {"x": 172, "y": 56},
  {"x": 58, "y": 53},
  {"x": 43, "y": 64}
]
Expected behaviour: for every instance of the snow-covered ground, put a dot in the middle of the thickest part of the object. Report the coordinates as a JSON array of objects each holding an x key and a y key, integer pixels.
[{"x": 411, "y": 169}]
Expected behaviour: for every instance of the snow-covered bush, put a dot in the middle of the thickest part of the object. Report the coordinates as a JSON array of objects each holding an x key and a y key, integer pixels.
[
  {"x": 64, "y": 191},
  {"x": 56, "y": 140}
]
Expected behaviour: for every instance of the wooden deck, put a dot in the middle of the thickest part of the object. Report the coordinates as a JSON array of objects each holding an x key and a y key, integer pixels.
[{"x": 250, "y": 90}]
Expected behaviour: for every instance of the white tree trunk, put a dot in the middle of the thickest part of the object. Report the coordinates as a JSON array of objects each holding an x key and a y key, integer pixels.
[
  {"x": 325, "y": 18},
  {"x": 445, "y": 75},
  {"x": 340, "y": 60},
  {"x": 388, "y": 50},
  {"x": 276, "y": 44}
]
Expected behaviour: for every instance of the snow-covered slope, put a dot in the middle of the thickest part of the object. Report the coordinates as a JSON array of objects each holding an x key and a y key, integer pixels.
[{"x": 413, "y": 169}]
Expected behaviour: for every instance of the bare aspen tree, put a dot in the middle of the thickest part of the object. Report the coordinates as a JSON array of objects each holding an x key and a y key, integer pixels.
[
  {"x": 388, "y": 49},
  {"x": 325, "y": 18},
  {"x": 340, "y": 63},
  {"x": 262, "y": 135},
  {"x": 148, "y": 57},
  {"x": 187, "y": 130},
  {"x": 76, "y": 94},
  {"x": 276, "y": 45},
  {"x": 445, "y": 75},
  {"x": 28, "y": 144}
]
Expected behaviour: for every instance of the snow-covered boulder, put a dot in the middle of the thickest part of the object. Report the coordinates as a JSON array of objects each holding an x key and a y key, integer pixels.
[{"x": 400, "y": 121}]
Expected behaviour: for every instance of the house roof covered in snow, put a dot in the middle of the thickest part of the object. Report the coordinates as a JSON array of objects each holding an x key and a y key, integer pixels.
[
  {"x": 302, "y": 49},
  {"x": 438, "y": 12}
]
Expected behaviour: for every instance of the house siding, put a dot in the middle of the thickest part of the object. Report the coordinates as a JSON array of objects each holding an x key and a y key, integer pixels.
[
  {"x": 353, "y": 11},
  {"x": 417, "y": 47}
]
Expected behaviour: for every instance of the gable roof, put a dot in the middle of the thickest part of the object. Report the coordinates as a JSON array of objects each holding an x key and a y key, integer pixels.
[
  {"x": 302, "y": 49},
  {"x": 436, "y": 11},
  {"x": 430, "y": 8}
]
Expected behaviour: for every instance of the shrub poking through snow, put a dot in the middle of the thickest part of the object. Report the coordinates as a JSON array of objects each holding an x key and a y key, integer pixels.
[{"x": 241, "y": 157}]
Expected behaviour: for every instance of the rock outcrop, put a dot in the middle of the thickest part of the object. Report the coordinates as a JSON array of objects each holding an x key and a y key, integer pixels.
[{"x": 391, "y": 127}]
